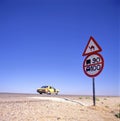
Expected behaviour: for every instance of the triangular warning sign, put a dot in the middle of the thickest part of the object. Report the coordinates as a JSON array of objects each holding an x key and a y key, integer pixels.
[{"x": 92, "y": 47}]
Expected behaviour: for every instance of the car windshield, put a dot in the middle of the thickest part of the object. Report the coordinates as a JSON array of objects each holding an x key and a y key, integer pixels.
[{"x": 44, "y": 86}]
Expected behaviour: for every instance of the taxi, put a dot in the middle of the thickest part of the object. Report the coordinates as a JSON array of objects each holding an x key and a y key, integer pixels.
[{"x": 47, "y": 90}]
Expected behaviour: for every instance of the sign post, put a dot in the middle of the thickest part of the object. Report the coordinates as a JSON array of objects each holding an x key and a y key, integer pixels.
[
  {"x": 93, "y": 91},
  {"x": 93, "y": 63}
]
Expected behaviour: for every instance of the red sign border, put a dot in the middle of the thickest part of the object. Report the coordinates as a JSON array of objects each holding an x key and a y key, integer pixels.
[
  {"x": 101, "y": 68},
  {"x": 100, "y": 49}
]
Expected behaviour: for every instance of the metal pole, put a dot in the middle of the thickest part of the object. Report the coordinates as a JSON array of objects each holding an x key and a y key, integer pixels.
[{"x": 93, "y": 91}]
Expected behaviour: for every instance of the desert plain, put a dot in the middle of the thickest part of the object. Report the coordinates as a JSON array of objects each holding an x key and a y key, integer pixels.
[{"x": 35, "y": 107}]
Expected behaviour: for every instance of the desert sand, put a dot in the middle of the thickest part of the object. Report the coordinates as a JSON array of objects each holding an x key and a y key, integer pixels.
[{"x": 35, "y": 107}]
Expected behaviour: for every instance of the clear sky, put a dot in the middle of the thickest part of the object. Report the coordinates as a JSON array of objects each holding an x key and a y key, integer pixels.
[{"x": 42, "y": 41}]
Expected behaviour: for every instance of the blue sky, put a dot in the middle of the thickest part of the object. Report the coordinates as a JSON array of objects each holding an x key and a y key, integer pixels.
[{"x": 42, "y": 41}]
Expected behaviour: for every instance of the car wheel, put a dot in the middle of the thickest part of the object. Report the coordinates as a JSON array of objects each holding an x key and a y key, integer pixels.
[{"x": 49, "y": 93}]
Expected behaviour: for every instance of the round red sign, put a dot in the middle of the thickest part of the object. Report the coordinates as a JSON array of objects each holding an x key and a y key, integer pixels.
[{"x": 93, "y": 65}]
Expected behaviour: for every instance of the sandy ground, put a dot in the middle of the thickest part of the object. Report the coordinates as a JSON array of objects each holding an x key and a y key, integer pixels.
[{"x": 24, "y": 107}]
